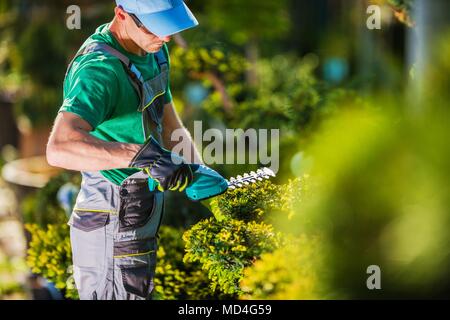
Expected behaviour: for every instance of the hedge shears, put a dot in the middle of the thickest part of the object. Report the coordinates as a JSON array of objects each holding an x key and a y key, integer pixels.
[{"x": 208, "y": 183}]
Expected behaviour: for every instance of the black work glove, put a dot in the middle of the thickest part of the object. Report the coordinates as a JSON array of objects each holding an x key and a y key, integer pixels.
[{"x": 168, "y": 169}]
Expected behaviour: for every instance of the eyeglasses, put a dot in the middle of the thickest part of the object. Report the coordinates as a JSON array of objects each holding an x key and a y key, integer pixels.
[{"x": 138, "y": 22}]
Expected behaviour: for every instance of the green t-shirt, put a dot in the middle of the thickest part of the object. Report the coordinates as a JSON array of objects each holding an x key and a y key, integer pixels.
[{"x": 98, "y": 89}]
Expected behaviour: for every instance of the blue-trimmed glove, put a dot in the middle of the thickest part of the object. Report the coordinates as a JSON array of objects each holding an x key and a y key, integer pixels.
[{"x": 159, "y": 164}]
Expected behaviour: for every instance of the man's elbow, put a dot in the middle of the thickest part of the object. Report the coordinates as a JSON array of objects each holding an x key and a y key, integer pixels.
[{"x": 53, "y": 154}]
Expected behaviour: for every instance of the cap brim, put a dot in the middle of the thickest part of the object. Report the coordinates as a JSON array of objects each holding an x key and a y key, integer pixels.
[{"x": 169, "y": 22}]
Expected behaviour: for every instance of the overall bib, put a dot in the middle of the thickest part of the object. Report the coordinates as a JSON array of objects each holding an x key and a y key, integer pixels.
[{"x": 113, "y": 229}]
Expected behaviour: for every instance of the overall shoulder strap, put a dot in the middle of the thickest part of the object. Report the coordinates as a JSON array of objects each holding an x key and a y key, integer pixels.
[
  {"x": 131, "y": 70},
  {"x": 161, "y": 60}
]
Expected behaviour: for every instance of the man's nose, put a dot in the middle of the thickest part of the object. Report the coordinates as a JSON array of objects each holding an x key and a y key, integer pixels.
[{"x": 165, "y": 39}]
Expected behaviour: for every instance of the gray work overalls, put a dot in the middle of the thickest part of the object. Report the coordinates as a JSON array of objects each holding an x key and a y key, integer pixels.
[{"x": 113, "y": 228}]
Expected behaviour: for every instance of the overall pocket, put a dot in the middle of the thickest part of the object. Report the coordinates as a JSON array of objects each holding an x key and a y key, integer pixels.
[
  {"x": 137, "y": 206},
  {"x": 137, "y": 279},
  {"x": 89, "y": 219},
  {"x": 137, "y": 262},
  {"x": 88, "y": 240}
]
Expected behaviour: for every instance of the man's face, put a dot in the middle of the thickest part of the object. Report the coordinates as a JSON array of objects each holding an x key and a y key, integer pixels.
[{"x": 146, "y": 40}]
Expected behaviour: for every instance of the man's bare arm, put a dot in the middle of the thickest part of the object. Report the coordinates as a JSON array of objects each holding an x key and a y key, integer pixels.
[
  {"x": 70, "y": 146},
  {"x": 171, "y": 122}
]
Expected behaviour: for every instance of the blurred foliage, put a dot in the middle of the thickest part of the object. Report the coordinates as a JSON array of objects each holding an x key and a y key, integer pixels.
[
  {"x": 29, "y": 79},
  {"x": 381, "y": 201},
  {"x": 195, "y": 61},
  {"x": 10, "y": 289},
  {"x": 295, "y": 102},
  {"x": 49, "y": 255},
  {"x": 382, "y": 198},
  {"x": 30, "y": 62},
  {"x": 403, "y": 10},
  {"x": 10, "y": 268},
  {"x": 251, "y": 19},
  {"x": 285, "y": 274},
  {"x": 285, "y": 102},
  {"x": 42, "y": 208}
]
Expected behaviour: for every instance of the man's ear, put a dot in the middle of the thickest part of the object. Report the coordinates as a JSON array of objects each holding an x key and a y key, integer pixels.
[{"x": 119, "y": 13}]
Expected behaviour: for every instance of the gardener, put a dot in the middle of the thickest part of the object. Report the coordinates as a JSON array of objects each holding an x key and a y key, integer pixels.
[{"x": 116, "y": 115}]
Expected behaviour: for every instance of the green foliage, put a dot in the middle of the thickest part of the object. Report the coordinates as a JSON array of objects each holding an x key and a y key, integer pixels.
[
  {"x": 175, "y": 280},
  {"x": 196, "y": 61},
  {"x": 225, "y": 248},
  {"x": 242, "y": 230},
  {"x": 247, "y": 204},
  {"x": 49, "y": 255},
  {"x": 262, "y": 201},
  {"x": 42, "y": 207},
  {"x": 290, "y": 102},
  {"x": 286, "y": 102},
  {"x": 285, "y": 96},
  {"x": 294, "y": 102}
]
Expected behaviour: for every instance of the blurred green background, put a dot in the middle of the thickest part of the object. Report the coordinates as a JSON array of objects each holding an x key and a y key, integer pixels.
[{"x": 364, "y": 163}]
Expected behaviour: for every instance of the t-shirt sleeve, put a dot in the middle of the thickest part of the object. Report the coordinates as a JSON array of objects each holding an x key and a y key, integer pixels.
[
  {"x": 91, "y": 93},
  {"x": 168, "y": 95}
]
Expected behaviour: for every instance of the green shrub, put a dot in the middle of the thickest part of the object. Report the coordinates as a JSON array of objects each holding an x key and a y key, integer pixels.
[
  {"x": 262, "y": 201},
  {"x": 224, "y": 248},
  {"x": 243, "y": 229},
  {"x": 49, "y": 255},
  {"x": 247, "y": 204},
  {"x": 175, "y": 280}
]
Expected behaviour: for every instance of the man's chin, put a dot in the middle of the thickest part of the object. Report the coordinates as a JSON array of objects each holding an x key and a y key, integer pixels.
[{"x": 153, "y": 49}]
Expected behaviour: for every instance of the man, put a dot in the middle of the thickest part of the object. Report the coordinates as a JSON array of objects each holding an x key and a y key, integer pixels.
[{"x": 116, "y": 115}]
